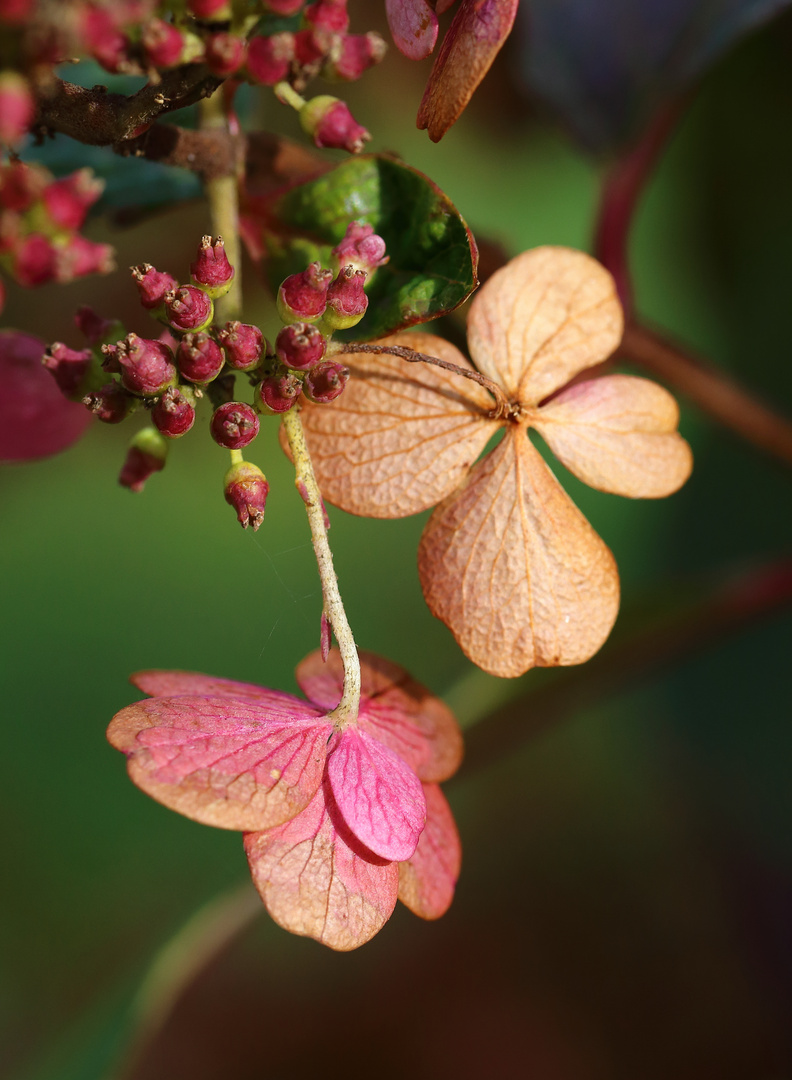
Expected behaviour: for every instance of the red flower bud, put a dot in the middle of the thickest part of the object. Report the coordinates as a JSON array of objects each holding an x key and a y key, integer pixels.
[
  {"x": 68, "y": 367},
  {"x": 329, "y": 15},
  {"x": 331, "y": 124},
  {"x": 15, "y": 12},
  {"x": 269, "y": 58},
  {"x": 358, "y": 52},
  {"x": 35, "y": 260},
  {"x": 199, "y": 358},
  {"x": 152, "y": 284},
  {"x": 245, "y": 345},
  {"x": 174, "y": 413},
  {"x": 81, "y": 256},
  {"x": 145, "y": 456},
  {"x": 210, "y": 9},
  {"x": 303, "y": 297},
  {"x": 283, "y": 7},
  {"x": 246, "y": 489},
  {"x": 188, "y": 308},
  {"x": 225, "y": 53},
  {"x": 346, "y": 300},
  {"x": 163, "y": 43},
  {"x": 17, "y": 107},
  {"x": 68, "y": 200},
  {"x": 111, "y": 403},
  {"x": 211, "y": 270},
  {"x": 234, "y": 425},
  {"x": 146, "y": 366},
  {"x": 103, "y": 39},
  {"x": 277, "y": 393},
  {"x": 311, "y": 46},
  {"x": 300, "y": 346},
  {"x": 21, "y": 186},
  {"x": 325, "y": 382},
  {"x": 361, "y": 248},
  {"x": 94, "y": 327}
]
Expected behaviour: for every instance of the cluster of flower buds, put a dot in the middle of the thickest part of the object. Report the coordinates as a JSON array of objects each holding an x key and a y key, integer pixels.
[{"x": 40, "y": 219}]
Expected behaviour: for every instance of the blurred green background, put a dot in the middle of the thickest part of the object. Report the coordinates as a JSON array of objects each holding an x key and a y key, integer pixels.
[{"x": 624, "y": 908}]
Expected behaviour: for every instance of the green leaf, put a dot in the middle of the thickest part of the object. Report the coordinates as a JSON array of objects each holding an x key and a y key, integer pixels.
[{"x": 433, "y": 256}]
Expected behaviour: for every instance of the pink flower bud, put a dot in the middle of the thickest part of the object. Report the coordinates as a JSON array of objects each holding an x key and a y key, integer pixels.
[
  {"x": 245, "y": 345},
  {"x": 331, "y": 124},
  {"x": 210, "y": 9},
  {"x": 17, "y": 107},
  {"x": 325, "y": 382},
  {"x": 111, "y": 403},
  {"x": 188, "y": 308},
  {"x": 311, "y": 46},
  {"x": 163, "y": 43},
  {"x": 300, "y": 346},
  {"x": 146, "y": 455},
  {"x": 94, "y": 327},
  {"x": 81, "y": 256},
  {"x": 277, "y": 393},
  {"x": 361, "y": 248},
  {"x": 103, "y": 39},
  {"x": 234, "y": 425},
  {"x": 199, "y": 358},
  {"x": 303, "y": 297},
  {"x": 329, "y": 15},
  {"x": 225, "y": 53},
  {"x": 15, "y": 12},
  {"x": 358, "y": 52},
  {"x": 211, "y": 270},
  {"x": 246, "y": 489},
  {"x": 35, "y": 260},
  {"x": 68, "y": 200},
  {"x": 152, "y": 284},
  {"x": 346, "y": 300},
  {"x": 174, "y": 413},
  {"x": 21, "y": 186},
  {"x": 283, "y": 7},
  {"x": 146, "y": 366},
  {"x": 269, "y": 58},
  {"x": 68, "y": 367}
]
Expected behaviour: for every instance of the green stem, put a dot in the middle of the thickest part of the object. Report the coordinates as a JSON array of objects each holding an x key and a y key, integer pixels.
[
  {"x": 288, "y": 95},
  {"x": 223, "y": 195},
  {"x": 346, "y": 711}
]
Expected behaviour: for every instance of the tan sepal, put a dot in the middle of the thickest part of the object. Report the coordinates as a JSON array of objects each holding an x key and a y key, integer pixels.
[
  {"x": 515, "y": 570},
  {"x": 542, "y": 318},
  {"x": 618, "y": 433}
]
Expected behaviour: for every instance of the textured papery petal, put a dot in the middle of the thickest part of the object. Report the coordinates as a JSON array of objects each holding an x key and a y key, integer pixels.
[
  {"x": 222, "y": 761},
  {"x": 618, "y": 433},
  {"x": 515, "y": 570},
  {"x": 413, "y": 25},
  {"x": 542, "y": 318},
  {"x": 402, "y": 435},
  {"x": 473, "y": 40},
  {"x": 179, "y": 683},
  {"x": 394, "y": 708},
  {"x": 317, "y": 880},
  {"x": 427, "y": 880},
  {"x": 377, "y": 794}
]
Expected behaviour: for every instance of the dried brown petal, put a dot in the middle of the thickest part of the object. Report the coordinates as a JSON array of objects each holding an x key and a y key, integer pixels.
[
  {"x": 474, "y": 38},
  {"x": 618, "y": 434},
  {"x": 515, "y": 570},
  {"x": 402, "y": 435},
  {"x": 542, "y": 318}
]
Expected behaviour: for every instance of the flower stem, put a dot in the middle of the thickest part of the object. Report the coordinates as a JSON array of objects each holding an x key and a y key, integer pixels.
[
  {"x": 346, "y": 711},
  {"x": 223, "y": 195},
  {"x": 286, "y": 93}
]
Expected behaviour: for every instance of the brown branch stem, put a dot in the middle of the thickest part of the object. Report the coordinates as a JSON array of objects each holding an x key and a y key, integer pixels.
[
  {"x": 504, "y": 407},
  {"x": 710, "y": 389}
]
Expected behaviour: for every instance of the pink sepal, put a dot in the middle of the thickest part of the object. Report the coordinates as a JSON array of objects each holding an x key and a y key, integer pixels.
[{"x": 427, "y": 880}]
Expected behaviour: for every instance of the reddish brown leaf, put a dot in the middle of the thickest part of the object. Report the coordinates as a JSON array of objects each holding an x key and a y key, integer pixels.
[
  {"x": 428, "y": 879},
  {"x": 222, "y": 761},
  {"x": 515, "y": 570},
  {"x": 398, "y": 711},
  {"x": 542, "y": 318},
  {"x": 473, "y": 40},
  {"x": 402, "y": 435},
  {"x": 618, "y": 433},
  {"x": 317, "y": 880}
]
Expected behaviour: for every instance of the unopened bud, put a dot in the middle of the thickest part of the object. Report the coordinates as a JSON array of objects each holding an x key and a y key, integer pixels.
[
  {"x": 17, "y": 107},
  {"x": 96, "y": 329},
  {"x": 246, "y": 489},
  {"x": 331, "y": 15},
  {"x": 283, "y": 7},
  {"x": 331, "y": 124},
  {"x": 346, "y": 300},
  {"x": 219, "y": 10},
  {"x": 234, "y": 425},
  {"x": 81, "y": 256},
  {"x": 303, "y": 297},
  {"x": 35, "y": 260},
  {"x": 188, "y": 308},
  {"x": 146, "y": 366},
  {"x": 146, "y": 455},
  {"x": 68, "y": 200},
  {"x": 361, "y": 248},
  {"x": 199, "y": 358},
  {"x": 325, "y": 382},
  {"x": 111, "y": 403},
  {"x": 269, "y": 58},
  {"x": 152, "y": 284},
  {"x": 245, "y": 345},
  {"x": 277, "y": 393},
  {"x": 21, "y": 185},
  {"x": 211, "y": 270},
  {"x": 356, "y": 54},
  {"x": 163, "y": 43},
  {"x": 174, "y": 413},
  {"x": 300, "y": 346},
  {"x": 102, "y": 38},
  {"x": 69, "y": 368},
  {"x": 225, "y": 53}
]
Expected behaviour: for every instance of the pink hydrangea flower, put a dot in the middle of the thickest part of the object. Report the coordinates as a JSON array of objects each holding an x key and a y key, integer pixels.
[{"x": 339, "y": 823}]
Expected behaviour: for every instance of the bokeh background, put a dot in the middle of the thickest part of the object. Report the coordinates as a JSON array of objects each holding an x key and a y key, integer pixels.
[{"x": 624, "y": 908}]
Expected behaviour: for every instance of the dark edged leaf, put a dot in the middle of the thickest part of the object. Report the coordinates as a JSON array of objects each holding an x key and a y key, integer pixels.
[{"x": 433, "y": 256}]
